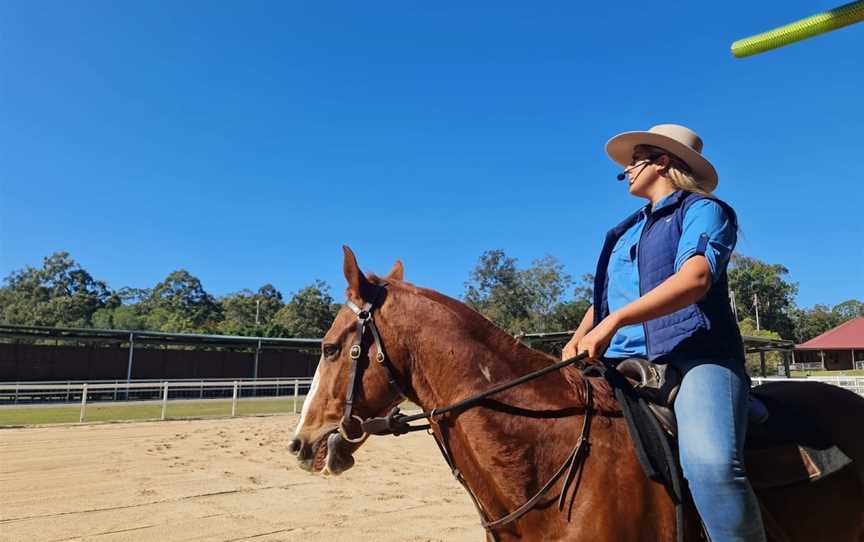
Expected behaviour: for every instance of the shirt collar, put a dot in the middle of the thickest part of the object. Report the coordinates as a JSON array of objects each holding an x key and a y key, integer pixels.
[{"x": 668, "y": 199}]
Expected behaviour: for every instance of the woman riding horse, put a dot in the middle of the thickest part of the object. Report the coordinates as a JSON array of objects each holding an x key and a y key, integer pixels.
[{"x": 661, "y": 293}]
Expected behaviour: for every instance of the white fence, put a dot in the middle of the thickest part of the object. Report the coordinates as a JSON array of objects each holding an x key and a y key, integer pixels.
[
  {"x": 136, "y": 391},
  {"x": 812, "y": 366},
  {"x": 149, "y": 392},
  {"x": 852, "y": 383}
]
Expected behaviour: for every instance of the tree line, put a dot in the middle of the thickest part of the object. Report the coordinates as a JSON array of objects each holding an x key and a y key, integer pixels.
[
  {"x": 62, "y": 293},
  {"x": 538, "y": 297}
]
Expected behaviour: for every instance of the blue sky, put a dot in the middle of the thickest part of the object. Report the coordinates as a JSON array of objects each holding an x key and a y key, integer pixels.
[{"x": 247, "y": 141}]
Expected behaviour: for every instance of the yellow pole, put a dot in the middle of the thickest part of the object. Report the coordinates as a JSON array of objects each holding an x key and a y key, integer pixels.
[{"x": 799, "y": 30}]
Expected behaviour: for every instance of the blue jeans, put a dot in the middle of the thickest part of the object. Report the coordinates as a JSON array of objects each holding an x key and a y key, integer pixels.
[{"x": 711, "y": 409}]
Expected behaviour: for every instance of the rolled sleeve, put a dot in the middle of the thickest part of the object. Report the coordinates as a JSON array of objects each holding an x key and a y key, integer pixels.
[{"x": 707, "y": 231}]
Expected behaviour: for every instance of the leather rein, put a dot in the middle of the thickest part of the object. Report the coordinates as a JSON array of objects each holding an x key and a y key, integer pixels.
[{"x": 396, "y": 423}]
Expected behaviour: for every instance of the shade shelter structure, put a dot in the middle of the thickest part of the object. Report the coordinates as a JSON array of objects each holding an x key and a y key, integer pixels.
[
  {"x": 36, "y": 353},
  {"x": 840, "y": 348}
]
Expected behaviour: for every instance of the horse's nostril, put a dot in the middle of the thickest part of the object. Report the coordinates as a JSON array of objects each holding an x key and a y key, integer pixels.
[{"x": 295, "y": 445}]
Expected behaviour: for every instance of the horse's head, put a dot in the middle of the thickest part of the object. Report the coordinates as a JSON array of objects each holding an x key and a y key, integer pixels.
[{"x": 329, "y": 430}]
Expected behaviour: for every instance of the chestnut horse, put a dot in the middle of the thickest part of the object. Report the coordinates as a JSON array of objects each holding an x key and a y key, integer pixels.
[{"x": 439, "y": 351}]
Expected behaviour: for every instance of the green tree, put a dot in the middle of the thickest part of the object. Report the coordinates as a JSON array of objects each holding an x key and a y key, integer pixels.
[
  {"x": 809, "y": 323},
  {"x": 753, "y": 361},
  {"x": 520, "y": 300},
  {"x": 815, "y": 321},
  {"x": 848, "y": 310},
  {"x": 496, "y": 290},
  {"x": 309, "y": 313},
  {"x": 240, "y": 310},
  {"x": 180, "y": 304},
  {"x": 585, "y": 288},
  {"x": 567, "y": 315},
  {"x": 122, "y": 317},
  {"x": 132, "y": 296},
  {"x": 545, "y": 283},
  {"x": 60, "y": 293},
  {"x": 750, "y": 280}
]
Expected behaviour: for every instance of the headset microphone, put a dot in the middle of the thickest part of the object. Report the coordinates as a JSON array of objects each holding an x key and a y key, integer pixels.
[{"x": 622, "y": 176}]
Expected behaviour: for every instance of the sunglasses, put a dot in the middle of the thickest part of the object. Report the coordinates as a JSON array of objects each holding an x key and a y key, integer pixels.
[{"x": 638, "y": 158}]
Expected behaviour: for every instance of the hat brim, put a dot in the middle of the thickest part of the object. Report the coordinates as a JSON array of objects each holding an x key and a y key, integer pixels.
[{"x": 620, "y": 149}]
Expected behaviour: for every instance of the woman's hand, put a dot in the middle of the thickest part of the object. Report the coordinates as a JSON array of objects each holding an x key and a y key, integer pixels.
[
  {"x": 571, "y": 349},
  {"x": 597, "y": 340}
]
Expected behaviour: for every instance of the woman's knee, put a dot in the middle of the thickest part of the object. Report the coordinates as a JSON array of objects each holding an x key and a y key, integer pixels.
[{"x": 712, "y": 471}]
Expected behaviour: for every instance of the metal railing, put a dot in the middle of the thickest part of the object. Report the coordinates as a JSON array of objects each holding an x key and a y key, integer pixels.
[
  {"x": 144, "y": 392},
  {"x": 153, "y": 391},
  {"x": 812, "y": 366},
  {"x": 115, "y": 390}
]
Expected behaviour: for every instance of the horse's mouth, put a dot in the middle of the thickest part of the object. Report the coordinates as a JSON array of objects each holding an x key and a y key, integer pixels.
[{"x": 330, "y": 454}]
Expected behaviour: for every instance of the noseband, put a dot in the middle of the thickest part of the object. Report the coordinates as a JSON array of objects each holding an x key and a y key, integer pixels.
[{"x": 364, "y": 322}]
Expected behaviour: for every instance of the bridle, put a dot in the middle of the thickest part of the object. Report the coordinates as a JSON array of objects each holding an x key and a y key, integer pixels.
[
  {"x": 364, "y": 321},
  {"x": 396, "y": 423}
]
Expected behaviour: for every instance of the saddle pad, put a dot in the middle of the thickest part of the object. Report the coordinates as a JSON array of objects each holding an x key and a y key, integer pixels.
[{"x": 791, "y": 464}]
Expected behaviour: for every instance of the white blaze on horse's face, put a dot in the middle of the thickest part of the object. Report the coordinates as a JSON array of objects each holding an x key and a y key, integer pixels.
[
  {"x": 307, "y": 403},
  {"x": 316, "y": 443}
]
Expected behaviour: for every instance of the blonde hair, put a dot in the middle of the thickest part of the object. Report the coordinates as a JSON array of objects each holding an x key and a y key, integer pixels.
[
  {"x": 685, "y": 181},
  {"x": 677, "y": 171}
]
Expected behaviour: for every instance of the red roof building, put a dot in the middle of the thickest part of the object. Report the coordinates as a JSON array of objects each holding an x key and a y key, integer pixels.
[{"x": 836, "y": 349}]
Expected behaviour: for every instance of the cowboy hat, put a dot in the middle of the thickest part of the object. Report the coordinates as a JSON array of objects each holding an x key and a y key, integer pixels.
[{"x": 678, "y": 140}]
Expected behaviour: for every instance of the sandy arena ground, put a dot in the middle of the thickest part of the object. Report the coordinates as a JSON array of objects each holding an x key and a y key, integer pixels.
[{"x": 220, "y": 480}]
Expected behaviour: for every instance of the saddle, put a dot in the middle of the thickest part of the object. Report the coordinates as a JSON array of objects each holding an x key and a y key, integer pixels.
[{"x": 781, "y": 449}]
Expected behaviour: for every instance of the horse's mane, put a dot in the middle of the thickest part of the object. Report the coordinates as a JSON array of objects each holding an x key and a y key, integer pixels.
[{"x": 604, "y": 399}]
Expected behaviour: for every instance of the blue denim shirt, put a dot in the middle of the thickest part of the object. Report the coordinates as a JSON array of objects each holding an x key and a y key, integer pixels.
[{"x": 704, "y": 216}]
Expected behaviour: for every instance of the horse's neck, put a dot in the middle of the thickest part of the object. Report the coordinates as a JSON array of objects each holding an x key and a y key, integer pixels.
[
  {"x": 456, "y": 353},
  {"x": 497, "y": 452}
]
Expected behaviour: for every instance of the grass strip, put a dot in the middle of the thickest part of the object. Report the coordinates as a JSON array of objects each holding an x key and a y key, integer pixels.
[{"x": 49, "y": 414}]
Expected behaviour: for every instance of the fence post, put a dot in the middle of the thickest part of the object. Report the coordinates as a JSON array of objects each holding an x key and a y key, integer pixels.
[
  {"x": 296, "y": 393},
  {"x": 83, "y": 402},
  {"x": 164, "y": 399},
  {"x": 234, "y": 401},
  {"x": 17, "y": 384},
  {"x": 68, "y": 391},
  {"x": 129, "y": 365}
]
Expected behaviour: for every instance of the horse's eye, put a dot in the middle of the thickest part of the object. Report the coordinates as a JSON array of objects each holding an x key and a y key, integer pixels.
[{"x": 329, "y": 350}]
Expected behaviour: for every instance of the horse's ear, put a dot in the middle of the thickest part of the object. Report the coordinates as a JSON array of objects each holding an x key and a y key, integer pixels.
[
  {"x": 397, "y": 272},
  {"x": 357, "y": 283}
]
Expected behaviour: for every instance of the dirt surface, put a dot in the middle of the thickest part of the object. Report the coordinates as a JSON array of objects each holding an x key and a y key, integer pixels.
[{"x": 220, "y": 480}]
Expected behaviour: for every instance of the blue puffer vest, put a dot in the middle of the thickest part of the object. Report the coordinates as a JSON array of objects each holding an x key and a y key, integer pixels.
[{"x": 705, "y": 329}]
